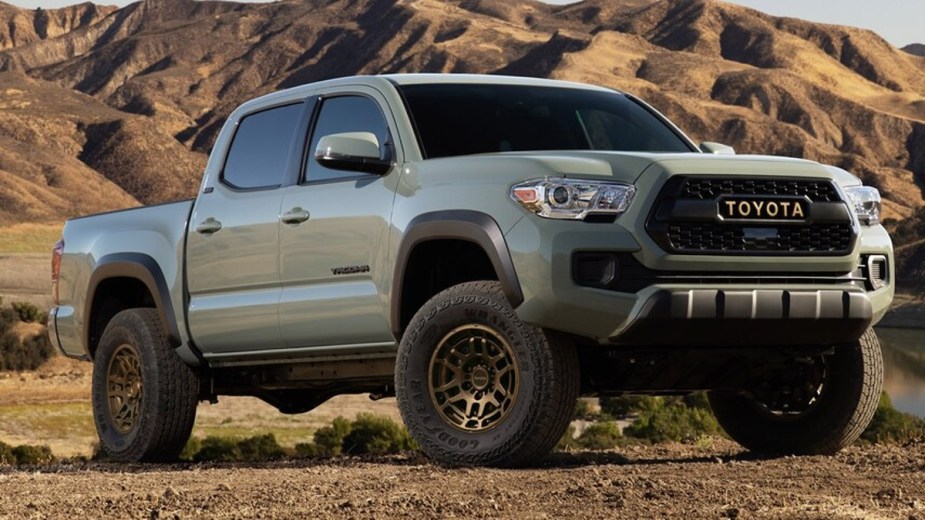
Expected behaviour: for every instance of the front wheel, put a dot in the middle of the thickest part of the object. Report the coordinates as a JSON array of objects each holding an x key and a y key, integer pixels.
[
  {"x": 826, "y": 405},
  {"x": 144, "y": 395},
  {"x": 476, "y": 386}
]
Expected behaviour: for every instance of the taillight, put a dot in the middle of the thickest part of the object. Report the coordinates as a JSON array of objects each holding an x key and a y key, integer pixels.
[{"x": 56, "y": 254}]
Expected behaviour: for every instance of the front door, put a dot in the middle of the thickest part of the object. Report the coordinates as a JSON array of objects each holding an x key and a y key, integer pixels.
[{"x": 334, "y": 256}]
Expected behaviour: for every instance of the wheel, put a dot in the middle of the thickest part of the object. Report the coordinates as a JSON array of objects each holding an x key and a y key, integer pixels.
[
  {"x": 827, "y": 405},
  {"x": 476, "y": 386},
  {"x": 144, "y": 395}
]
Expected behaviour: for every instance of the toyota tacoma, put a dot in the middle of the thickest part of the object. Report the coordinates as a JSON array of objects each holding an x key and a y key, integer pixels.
[{"x": 487, "y": 249}]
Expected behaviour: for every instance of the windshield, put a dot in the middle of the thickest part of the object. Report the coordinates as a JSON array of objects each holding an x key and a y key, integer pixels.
[{"x": 459, "y": 119}]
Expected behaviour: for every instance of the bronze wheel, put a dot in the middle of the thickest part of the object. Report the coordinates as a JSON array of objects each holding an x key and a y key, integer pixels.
[
  {"x": 144, "y": 395},
  {"x": 474, "y": 378},
  {"x": 124, "y": 388},
  {"x": 477, "y": 386}
]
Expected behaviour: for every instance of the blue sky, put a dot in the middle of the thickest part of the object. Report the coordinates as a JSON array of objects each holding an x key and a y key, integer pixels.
[{"x": 901, "y": 22}]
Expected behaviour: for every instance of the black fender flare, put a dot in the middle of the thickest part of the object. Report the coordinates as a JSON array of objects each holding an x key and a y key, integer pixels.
[
  {"x": 140, "y": 267},
  {"x": 471, "y": 226}
]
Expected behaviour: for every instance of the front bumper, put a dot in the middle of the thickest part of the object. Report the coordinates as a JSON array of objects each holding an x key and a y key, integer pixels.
[
  {"x": 718, "y": 310},
  {"x": 758, "y": 317}
]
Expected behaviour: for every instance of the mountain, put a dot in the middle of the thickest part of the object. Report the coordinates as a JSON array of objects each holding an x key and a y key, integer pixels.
[
  {"x": 133, "y": 98},
  {"x": 915, "y": 48}
]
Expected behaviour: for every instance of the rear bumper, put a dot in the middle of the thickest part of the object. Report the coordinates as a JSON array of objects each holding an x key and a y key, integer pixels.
[
  {"x": 759, "y": 317},
  {"x": 53, "y": 330}
]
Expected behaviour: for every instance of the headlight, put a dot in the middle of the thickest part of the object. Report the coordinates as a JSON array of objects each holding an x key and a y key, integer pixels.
[
  {"x": 866, "y": 202},
  {"x": 573, "y": 199}
]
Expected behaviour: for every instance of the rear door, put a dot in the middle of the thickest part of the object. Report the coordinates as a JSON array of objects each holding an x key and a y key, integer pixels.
[
  {"x": 334, "y": 264},
  {"x": 232, "y": 246}
]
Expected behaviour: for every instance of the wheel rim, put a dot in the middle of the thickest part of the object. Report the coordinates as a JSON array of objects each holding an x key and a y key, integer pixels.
[
  {"x": 798, "y": 398},
  {"x": 124, "y": 388},
  {"x": 474, "y": 378}
]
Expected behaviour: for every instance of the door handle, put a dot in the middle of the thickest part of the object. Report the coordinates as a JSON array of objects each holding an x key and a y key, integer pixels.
[
  {"x": 208, "y": 226},
  {"x": 294, "y": 216}
]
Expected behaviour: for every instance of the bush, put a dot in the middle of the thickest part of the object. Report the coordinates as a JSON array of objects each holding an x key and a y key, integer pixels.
[
  {"x": 891, "y": 425},
  {"x": 260, "y": 447},
  {"x": 218, "y": 449},
  {"x": 29, "y": 313},
  {"x": 33, "y": 454},
  {"x": 329, "y": 440},
  {"x": 372, "y": 434},
  {"x": 623, "y": 406},
  {"x": 672, "y": 420},
  {"x": 600, "y": 436},
  {"x": 18, "y": 355},
  {"x": 6, "y": 454}
]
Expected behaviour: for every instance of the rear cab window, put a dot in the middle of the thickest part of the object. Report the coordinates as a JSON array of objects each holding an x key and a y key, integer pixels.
[{"x": 259, "y": 154}]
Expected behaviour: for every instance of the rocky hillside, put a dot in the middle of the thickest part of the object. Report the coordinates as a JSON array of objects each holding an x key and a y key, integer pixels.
[
  {"x": 916, "y": 48},
  {"x": 133, "y": 98}
]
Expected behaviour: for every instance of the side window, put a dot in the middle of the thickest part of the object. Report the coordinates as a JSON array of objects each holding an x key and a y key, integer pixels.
[
  {"x": 260, "y": 151},
  {"x": 344, "y": 114}
]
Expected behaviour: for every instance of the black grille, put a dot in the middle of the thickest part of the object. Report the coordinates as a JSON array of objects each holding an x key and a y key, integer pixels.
[
  {"x": 685, "y": 218},
  {"x": 701, "y": 237},
  {"x": 700, "y": 188}
]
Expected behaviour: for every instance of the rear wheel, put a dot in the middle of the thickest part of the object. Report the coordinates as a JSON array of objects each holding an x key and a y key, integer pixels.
[
  {"x": 829, "y": 401},
  {"x": 475, "y": 385},
  {"x": 144, "y": 395}
]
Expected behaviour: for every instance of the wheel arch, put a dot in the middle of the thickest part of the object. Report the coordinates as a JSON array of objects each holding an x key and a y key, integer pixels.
[
  {"x": 467, "y": 226},
  {"x": 121, "y": 281}
]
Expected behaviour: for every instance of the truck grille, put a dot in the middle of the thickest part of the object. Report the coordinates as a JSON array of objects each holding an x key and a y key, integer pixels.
[
  {"x": 700, "y": 188},
  {"x": 686, "y": 218}
]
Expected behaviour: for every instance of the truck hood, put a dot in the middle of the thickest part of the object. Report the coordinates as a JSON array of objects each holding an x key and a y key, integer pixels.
[{"x": 629, "y": 166}]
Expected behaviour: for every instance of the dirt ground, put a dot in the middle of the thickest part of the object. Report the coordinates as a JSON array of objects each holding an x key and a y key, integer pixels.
[{"x": 668, "y": 481}]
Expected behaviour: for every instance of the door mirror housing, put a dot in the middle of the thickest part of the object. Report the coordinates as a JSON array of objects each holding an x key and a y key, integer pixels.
[
  {"x": 716, "y": 148},
  {"x": 353, "y": 151}
]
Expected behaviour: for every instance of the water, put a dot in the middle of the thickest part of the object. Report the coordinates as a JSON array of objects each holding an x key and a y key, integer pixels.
[{"x": 904, "y": 368}]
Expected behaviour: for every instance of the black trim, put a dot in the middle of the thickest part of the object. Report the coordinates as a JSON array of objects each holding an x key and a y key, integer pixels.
[
  {"x": 677, "y": 211},
  {"x": 471, "y": 226},
  {"x": 140, "y": 267},
  {"x": 749, "y": 318}
]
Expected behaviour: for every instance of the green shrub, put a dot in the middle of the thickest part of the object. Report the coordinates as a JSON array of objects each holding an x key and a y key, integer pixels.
[
  {"x": 671, "y": 420},
  {"x": 29, "y": 355},
  {"x": 628, "y": 405},
  {"x": 6, "y": 454},
  {"x": 310, "y": 449},
  {"x": 372, "y": 434},
  {"x": 29, "y": 313},
  {"x": 603, "y": 435},
  {"x": 33, "y": 454},
  {"x": 260, "y": 447},
  {"x": 218, "y": 449},
  {"x": 329, "y": 440},
  {"x": 891, "y": 425}
]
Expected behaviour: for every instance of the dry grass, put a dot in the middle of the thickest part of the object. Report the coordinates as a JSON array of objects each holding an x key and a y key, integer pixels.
[
  {"x": 52, "y": 406},
  {"x": 29, "y": 238},
  {"x": 26, "y": 277}
]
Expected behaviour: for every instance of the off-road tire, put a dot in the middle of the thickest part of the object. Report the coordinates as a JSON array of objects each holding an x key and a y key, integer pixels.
[
  {"x": 169, "y": 391},
  {"x": 854, "y": 379},
  {"x": 546, "y": 367}
]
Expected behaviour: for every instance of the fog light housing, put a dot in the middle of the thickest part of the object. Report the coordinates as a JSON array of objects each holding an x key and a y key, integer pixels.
[{"x": 877, "y": 271}]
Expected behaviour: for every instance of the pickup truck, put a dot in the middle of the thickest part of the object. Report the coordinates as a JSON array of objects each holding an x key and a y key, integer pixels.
[{"x": 486, "y": 249}]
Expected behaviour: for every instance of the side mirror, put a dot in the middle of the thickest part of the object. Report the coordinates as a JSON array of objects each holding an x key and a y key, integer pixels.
[
  {"x": 354, "y": 151},
  {"x": 716, "y": 148}
]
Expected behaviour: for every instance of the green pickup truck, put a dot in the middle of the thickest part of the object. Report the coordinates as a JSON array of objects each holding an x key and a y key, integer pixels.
[{"x": 486, "y": 249}]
